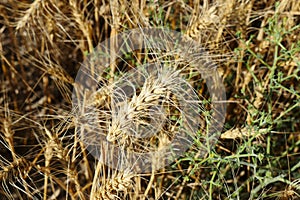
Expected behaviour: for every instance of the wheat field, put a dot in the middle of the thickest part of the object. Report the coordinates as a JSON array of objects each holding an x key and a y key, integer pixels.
[{"x": 228, "y": 107}]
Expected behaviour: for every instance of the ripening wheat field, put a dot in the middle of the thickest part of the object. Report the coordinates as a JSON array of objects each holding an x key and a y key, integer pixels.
[{"x": 90, "y": 109}]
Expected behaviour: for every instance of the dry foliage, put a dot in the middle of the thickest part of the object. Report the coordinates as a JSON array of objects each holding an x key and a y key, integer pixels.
[{"x": 42, "y": 44}]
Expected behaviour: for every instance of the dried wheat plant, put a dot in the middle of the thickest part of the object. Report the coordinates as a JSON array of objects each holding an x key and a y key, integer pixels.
[
  {"x": 123, "y": 120},
  {"x": 46, "y": 149},
  {"x": 41, "y": 46},
  {"x": 50, "y": 38}
]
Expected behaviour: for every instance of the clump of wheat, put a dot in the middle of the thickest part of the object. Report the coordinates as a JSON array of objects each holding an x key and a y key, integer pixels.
[
  {"x": 144, "y": 111},
  {"x": 16, "y": 168},
  {"x": 140, "y": 108}
]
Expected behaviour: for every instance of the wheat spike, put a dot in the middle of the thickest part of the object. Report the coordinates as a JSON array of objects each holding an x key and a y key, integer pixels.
[
  {"x": 111, "y": 188},
  {"x": 29, "y": 13},
  {"x": 15, "y": 169},
  {"x": 82, "y": 23},
  {"x": 143, "y": 109}
]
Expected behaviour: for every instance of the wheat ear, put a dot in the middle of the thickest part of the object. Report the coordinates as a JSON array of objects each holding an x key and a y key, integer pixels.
[
  {"x": 112, "y": 188},
  {"x": 29, "y": 13},
  {"x": 14, "y": 169}
]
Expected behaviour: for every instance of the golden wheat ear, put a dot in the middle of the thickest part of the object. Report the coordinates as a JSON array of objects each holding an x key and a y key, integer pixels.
[
  {"x": 14, "y": 169},
  {"x": 15, "y": 179},
  {"x": 110, "y": 184}
]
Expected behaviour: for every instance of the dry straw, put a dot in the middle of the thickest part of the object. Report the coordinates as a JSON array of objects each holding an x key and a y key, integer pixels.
[
  {"x": 15, "y": 169},
  {"x": 43, "y": 43}
]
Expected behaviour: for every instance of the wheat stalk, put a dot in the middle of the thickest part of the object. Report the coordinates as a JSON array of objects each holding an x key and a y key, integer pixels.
[{"x": 30, "y": 13}]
